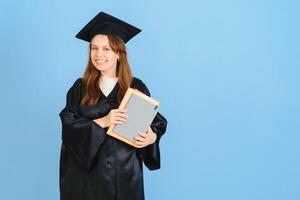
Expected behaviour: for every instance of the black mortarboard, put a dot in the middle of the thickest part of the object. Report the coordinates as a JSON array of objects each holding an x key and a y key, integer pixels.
[{"x": 104, "y": 23}]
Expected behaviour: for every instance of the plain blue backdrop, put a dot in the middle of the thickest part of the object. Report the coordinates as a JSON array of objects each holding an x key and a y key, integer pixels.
[{"x": 226, "y": 73}]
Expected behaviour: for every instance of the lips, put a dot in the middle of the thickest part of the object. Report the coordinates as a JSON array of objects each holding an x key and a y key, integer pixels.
[{"x": 100, "y": 61}]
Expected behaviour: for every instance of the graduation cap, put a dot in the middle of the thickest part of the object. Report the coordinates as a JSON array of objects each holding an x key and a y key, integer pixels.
[{"x": 104, "y": 23}]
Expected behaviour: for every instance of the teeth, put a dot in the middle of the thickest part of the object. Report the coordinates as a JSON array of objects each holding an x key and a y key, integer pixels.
[{"x": 100, "y": 61}]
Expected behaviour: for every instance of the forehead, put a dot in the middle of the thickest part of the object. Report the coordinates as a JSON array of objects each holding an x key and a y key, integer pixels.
[{"x": 100, "y": 40}]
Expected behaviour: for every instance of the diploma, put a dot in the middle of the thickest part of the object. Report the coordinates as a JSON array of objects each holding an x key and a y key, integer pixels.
[{"x": 141, "y": 110}]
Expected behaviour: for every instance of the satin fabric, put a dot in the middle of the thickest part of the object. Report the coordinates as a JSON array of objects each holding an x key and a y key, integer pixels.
[{"x": 95, "y": 166}]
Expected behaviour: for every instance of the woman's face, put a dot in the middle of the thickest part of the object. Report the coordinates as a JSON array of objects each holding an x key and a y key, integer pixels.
[{"x": 103, "y": 57}]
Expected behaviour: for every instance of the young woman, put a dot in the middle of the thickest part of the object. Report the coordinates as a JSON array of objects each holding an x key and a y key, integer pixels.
[{"x": 93, "y": 165}]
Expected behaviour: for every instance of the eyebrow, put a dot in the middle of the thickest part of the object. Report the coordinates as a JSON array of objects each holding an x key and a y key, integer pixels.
[{"x": 100, "y": 46}]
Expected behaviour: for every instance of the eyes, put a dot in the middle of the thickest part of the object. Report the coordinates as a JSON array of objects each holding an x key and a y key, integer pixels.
[{"x": 105, "y": 49}]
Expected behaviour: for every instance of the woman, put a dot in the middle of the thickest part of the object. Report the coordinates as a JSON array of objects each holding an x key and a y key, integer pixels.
[{"x": 93, "y": 165}]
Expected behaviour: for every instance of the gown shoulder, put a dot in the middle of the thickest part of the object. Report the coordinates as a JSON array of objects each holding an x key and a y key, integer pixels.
[{"x": 140, "y": 85}]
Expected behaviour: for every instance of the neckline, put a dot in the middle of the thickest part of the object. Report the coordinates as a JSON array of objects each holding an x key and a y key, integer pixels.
[
  {"x": 109, "y": 78},
  {"x": 111, "y": 92}
]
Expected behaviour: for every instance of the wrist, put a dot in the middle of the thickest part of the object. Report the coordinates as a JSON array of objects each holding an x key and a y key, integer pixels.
[{"x": 102, "y": 122}]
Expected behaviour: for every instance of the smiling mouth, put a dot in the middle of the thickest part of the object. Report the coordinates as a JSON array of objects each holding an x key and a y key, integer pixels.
[{"x": 100, "y": 61}]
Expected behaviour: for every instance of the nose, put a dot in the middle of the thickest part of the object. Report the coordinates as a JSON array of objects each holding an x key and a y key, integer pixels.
[{"x": 99, "y": 52}]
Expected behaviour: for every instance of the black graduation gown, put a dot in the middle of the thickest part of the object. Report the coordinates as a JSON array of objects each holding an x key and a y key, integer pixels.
[{"x": 95, "y": 166}]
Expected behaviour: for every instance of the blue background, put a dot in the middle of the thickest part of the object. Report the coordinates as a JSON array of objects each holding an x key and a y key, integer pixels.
[{"x": 226, "y": 73}]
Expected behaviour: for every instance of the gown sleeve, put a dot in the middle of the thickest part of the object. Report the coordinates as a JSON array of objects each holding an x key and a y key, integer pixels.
[
  {"x": 151, "y": 153},
  {"x": 81, "y": 136}
]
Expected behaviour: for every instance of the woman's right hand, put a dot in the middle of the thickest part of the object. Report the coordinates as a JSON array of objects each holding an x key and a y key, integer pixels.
[{"x": 115, "y": 116}]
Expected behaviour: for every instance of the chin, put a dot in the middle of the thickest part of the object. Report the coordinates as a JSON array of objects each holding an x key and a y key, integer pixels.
[{"x": 100, "y": 68}]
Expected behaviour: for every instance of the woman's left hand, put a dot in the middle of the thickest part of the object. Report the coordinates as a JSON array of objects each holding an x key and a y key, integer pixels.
[{"x": 145, "y": 139}]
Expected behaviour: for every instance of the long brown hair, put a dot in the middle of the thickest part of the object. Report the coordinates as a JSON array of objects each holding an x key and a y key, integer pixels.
[{"x": 92, "y": 75}]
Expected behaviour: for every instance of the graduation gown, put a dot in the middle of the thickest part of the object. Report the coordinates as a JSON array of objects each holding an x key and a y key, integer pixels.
[{"x": 94, "y": 165}]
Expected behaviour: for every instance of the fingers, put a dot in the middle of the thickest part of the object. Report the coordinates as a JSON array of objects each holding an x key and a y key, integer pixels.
[
  {"x": 118, "y": 121},
  {"x": 141, "y": 140},
  {"x": 118, "y": 116},
  {"x": 140, "y": 144},
  {"x": 141, "y": 137},
  {"x": 145, "y": 139}
]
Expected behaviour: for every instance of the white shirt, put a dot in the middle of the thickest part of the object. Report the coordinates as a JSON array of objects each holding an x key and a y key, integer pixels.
[{"x": 107, "y": 84}]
